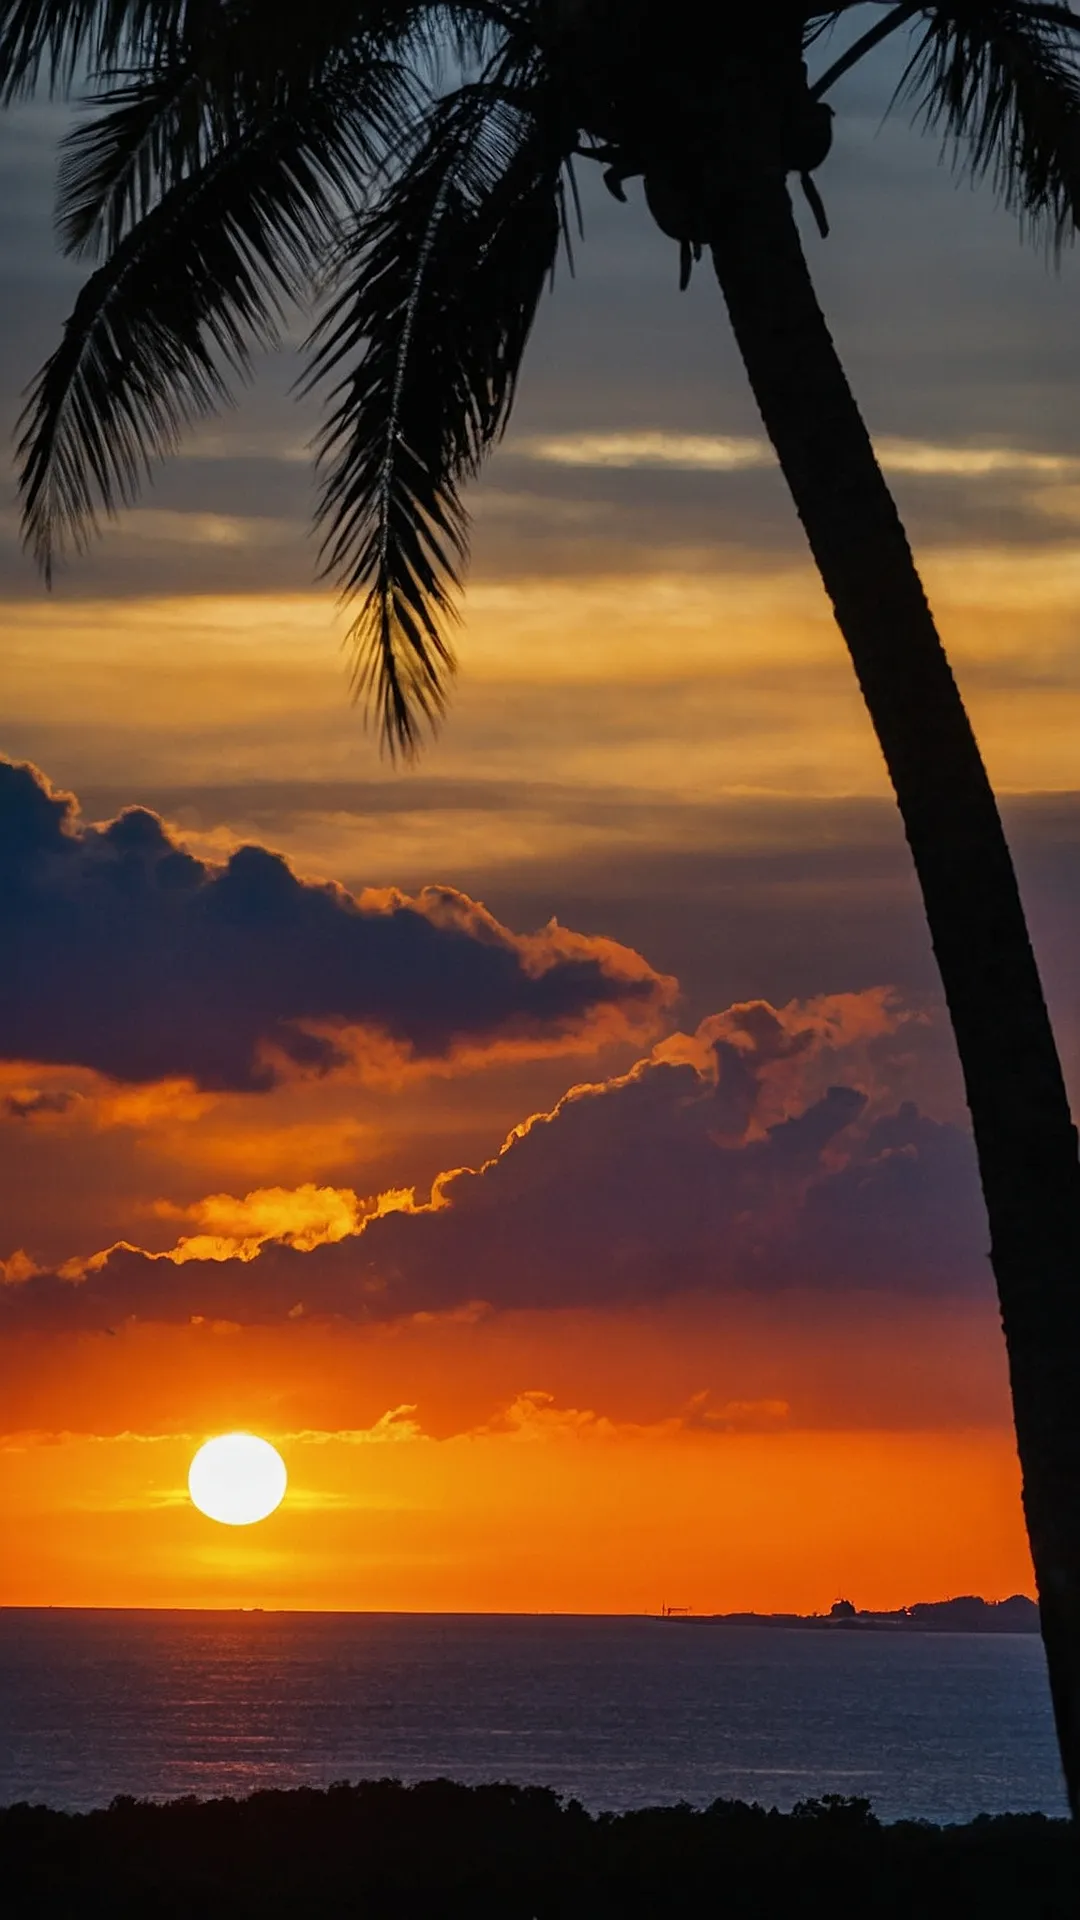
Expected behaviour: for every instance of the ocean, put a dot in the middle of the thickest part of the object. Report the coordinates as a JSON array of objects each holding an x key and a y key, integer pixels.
[{"x": 619, "y": 1712}]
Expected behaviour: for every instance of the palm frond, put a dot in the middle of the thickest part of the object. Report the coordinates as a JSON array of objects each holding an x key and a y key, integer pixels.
[
  {"x": 159, "y": 331},
  {"x": 115, "y": 167},
  {"x": 229, "y": 66},
  {"x": 50, "y": 41},
  {"x": 1002, "y": 82},
  {"x": 226, "y": 75},
  {"x": 423, "y": 342}
]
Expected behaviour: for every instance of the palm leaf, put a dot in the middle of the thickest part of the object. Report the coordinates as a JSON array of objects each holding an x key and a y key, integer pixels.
[
  {"x": 226, "y": 75},
  {"x": 439, "y": 289},
  {"x": 115, "y": 168},
  {"x": 52, "y": 40},
  {"x": 160, "y": 329},
  {"x": 1003, "y": 84}
]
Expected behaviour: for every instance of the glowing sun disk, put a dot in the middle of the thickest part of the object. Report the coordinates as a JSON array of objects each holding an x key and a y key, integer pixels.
[{"x": 237, "y": 1479}]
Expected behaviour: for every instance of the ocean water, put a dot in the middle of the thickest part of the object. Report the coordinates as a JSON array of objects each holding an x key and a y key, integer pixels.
[{"x": 619, "y": 1712}]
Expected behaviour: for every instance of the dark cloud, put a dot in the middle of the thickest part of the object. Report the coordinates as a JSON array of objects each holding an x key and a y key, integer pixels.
[
  {"x": 29, "y": 1103},
  {"x": 744, "y": 895},
  {"x": 673, "y": 1178},
  {"x": 124, "y": 953}
]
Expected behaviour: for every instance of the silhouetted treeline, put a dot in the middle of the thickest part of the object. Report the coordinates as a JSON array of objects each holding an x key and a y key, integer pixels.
[{"x": 448, "y": 1852}]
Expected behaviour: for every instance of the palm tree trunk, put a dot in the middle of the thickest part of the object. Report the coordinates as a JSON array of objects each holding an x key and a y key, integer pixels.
[{"x": 1024, "y": 1134}]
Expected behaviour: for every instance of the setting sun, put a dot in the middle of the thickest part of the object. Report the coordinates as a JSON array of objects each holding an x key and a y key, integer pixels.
[{"x": 237, "y": 1479}]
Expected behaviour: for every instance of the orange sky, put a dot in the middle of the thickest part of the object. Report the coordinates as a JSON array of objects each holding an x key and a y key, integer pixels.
[
  {"x": 565, "y": 1520},
  {"x": 855, "y": 1448},
  {"x": 579, "y": 1298}
]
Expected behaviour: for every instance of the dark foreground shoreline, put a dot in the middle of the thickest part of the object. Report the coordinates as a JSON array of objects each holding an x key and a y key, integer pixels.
[{"x": 378, "y": 1850}]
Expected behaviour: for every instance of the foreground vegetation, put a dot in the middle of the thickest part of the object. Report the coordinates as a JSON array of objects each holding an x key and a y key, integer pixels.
[{"x": 520, "y": 1853}]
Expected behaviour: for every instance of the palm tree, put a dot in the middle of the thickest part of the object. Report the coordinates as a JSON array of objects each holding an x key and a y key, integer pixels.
[{"x": 412, "y": 163}]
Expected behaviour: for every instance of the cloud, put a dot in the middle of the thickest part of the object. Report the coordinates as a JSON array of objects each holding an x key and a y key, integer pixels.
[
  {"x": 689, "y": 452},
  {"x": 736, "y": 453},
  {"x": 15, "y": 1271},
  {"x": 124, "y": 953},
  {"x": 233, "y": 1229},
  {"x": 728, "y": 1161},
  {"x": 734, "y": 1416},
  {"x": 33, "y": 1103},
  {"x": 536, "y": 1416},
  {"x": 397, "y": 1424},
  {"x": 970, "y": 463}
]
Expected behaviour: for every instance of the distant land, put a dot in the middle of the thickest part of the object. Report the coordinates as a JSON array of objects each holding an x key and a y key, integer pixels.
[{"x": 964, "y": 1614}]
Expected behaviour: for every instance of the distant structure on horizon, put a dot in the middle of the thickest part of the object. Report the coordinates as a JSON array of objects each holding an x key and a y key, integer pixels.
[{"x": 966, "y": 1613}]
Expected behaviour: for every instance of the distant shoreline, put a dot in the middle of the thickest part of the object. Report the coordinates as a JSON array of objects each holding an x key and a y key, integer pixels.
[{"x": 965, "y": 1614}]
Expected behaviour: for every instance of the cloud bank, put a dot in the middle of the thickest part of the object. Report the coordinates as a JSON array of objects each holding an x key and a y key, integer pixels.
[
  {"x": 726, "y": 1161},
  {"x": 734, "y": 453},
  {"x": 124, "y": 953}
]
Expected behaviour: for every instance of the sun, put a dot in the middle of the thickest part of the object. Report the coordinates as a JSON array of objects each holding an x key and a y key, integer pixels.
[{"x": 237, "y": 1479}]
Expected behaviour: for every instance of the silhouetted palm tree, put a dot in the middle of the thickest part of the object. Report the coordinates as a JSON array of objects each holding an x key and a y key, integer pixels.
[{"x": 244, "y": 150}]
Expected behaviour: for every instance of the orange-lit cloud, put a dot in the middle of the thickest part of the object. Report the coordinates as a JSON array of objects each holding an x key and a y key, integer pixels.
[
  {"x": 18, "y": 1268},
  {"x": 235, "y": 1229},
  {"x": 766, "y": 1152}
]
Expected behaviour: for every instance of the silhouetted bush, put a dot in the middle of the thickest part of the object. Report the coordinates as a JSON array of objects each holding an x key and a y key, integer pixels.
[{"x": 447, "y": 1852}]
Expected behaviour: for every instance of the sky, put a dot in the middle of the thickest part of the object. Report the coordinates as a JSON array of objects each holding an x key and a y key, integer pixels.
[{"x": 556, "y": 1149}]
